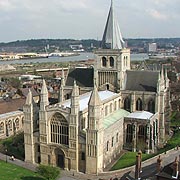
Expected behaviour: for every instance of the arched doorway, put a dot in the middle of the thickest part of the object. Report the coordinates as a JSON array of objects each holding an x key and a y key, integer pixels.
[{"x": 60, "y": 158}]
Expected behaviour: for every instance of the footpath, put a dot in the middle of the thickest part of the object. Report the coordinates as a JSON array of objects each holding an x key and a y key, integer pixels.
[{"x": 149, "y": 166}]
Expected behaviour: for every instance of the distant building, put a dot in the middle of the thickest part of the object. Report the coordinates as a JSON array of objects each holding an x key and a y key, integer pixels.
[
  {"x": 152, "y": 47},
  {"x": 100, "y": 111}
]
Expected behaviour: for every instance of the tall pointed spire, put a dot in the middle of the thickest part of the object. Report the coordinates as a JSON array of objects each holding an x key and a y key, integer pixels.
[
  {"x": 44, "y": 96},
  {"x": 94, "y": 99},
  {"x": 29, "y": 98},
  {"x": 112, "y": 38}
]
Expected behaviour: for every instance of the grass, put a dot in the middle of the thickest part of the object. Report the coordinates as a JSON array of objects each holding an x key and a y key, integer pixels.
[
  {"x": 12, "y": 172},
  {"x": 129, "y": 158}
]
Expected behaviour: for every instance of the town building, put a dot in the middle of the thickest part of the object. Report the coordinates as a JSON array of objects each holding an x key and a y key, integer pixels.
[{"x": 101, "y": 110}]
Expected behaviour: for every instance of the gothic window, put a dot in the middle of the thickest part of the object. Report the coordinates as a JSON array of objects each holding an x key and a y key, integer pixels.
[
  {"x": 139, "y": 105},
  {"x": 129, "y": 133},
  {"x": 111, "y": 62},
  {"x": 112, "y": 144},
  {"x": 2, "y": 128},
  {"x": 107, "y": 146},
  {"x": 107, "y": 86},
  {"x": 9, "y": 125},
  {"x": 59, "y": 129},
  {"x": 119, "y": 103},
  {"x": 115, "y": 104},
  {"x": 151, "y": 106},
  {"x": 104, "y": 61},
  {"x": 127, "y": 104},
  {"x": 106, "y": 110},
  {"x": 16, "y": 124},
  {"x": 111, "y": 108},
  {"x": 142, "y": 133},
  {"x": 117, "y": 137}
]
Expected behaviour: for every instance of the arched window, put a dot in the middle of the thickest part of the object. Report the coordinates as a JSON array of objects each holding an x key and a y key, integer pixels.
[
  {"x": 59, "y": 129},
  {"x": 107, "y": 146},
  {"x": 119, "y": 102},
  {"x": 111, "y": 62},
  {"x": 115, "y": 106},
  {"x": 2, "y": 128},
  {"x": 111, "y": 108},
  {"x": 142, "y": 133},
  {"x": 129, "y": 133},
  {"x": 117, "y": 137},
  {"x": 16, "y": 124},
  {"x": 151, "y": 106},
  {"x": 9, "y": 125},
  {"x": 107, "y": 86},
  {"x": 139, "y": 105},
  {"x": 104, "y": 62},
  {"x": 106, "y": 110},
  {"x": 127, "y": 104}
]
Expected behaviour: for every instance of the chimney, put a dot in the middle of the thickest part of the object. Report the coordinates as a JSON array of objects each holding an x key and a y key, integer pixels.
[
  {"x": 140, "y": 158},
  {"x": 159, "y": 164},
  {"x": 175, "y": 169},
  {"x": 137, "y": 167}
]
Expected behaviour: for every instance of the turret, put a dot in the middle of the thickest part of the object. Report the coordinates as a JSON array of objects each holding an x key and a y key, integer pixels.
[
  {"x": 28, "y": 129},
  {"x": 94, "y": 135},
  {"x": 73, "y": 127},
  {"x": 61, "y": 90},
  {"x": 44, "y": 96}
]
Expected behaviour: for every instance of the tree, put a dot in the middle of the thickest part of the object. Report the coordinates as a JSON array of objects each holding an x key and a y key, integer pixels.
[{"x": 48, "y": 172}]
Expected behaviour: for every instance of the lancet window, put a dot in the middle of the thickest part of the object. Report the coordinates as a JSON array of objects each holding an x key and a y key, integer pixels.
[
  {"x": 104, "y": 61},
  {"x": 139, "y": 105}
]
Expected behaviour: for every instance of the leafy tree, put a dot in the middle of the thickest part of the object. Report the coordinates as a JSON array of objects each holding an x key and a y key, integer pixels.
[{"x": 48, "y": 172}]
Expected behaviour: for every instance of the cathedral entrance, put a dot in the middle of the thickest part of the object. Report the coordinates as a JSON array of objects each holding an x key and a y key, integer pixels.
[{"x": 60, "y": 158}]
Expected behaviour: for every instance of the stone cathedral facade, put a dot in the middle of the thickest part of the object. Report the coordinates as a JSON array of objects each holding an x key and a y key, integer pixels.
[{"x": 101, "y": 111}]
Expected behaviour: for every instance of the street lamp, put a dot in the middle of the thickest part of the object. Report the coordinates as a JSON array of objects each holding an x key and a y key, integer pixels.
[{"x": 6, "y": 155}]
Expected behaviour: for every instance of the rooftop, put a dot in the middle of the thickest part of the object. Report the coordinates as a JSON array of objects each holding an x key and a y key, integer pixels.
[
  {"x": 84, "y": 99},
  {"x": 115, "y": 116},
  {"x": 140, "y": 115}
]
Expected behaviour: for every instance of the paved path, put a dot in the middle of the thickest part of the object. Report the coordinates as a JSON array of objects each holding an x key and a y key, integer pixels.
[{"x": 149, "y": 166}]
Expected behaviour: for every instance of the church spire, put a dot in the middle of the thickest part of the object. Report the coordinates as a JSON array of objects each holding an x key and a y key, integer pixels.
[
  {"x": 44, "y": 96},
  {"x": 29, "y": 98},
  {"x": 112, "y": 38},
  {"x": 95, "y": 99}
]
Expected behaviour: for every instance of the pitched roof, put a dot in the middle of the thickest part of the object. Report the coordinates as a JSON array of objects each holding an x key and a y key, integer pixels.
[
  {"x": 141, "y": 80},
  {"x": 84, "y": 99},
  {"x": 82, "y": 76},
  {"x": 115, "y": 116},
  {"x": 112, "y": 38},
  {"x": 11, "y": 105},
  {"x": 140, "y": 115}
]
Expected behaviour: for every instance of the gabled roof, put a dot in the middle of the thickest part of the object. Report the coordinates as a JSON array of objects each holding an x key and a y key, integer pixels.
[
  {"x": 82, "y": 76},
  {"x": 112, "y": 38},
  {"x": 141, "y": 80}
]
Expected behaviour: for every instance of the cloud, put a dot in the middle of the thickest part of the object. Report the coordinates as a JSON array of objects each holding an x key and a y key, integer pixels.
[{"x": 157, "y": 14}]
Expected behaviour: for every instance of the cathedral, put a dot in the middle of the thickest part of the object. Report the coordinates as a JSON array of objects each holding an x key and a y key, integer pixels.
[{"x": 100, "y": 111}]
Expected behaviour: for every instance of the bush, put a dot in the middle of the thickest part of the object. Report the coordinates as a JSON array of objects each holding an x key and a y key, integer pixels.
[{"x": 48, "y": 172}]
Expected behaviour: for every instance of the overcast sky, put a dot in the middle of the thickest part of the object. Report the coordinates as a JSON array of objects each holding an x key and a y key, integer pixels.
[{"x": 82, "y": 19}]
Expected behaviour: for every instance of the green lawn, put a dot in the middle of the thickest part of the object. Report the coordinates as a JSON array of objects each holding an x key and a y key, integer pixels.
[
  {"x": 129, "y": 158},
  {"x": 12, "y": 172}
]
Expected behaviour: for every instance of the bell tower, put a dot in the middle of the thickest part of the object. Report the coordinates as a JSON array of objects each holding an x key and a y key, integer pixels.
[{"x": 113, "y": 59}]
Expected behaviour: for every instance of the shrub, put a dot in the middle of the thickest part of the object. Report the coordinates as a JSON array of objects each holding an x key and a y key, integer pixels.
[{"x": 48, "y": 172}]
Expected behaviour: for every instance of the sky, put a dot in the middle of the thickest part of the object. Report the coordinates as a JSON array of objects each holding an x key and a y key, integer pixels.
[{"x": 85, "y": 19}]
